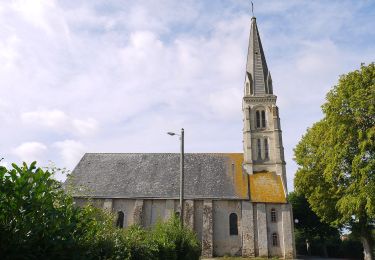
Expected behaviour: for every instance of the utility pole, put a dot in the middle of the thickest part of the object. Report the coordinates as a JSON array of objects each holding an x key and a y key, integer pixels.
[
  {"x": 182, "y": 160},
  {"x": 182, "y": 178}
]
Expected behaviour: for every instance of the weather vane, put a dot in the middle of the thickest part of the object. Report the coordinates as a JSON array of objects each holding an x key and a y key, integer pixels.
[{"x": 252, "y": 8}]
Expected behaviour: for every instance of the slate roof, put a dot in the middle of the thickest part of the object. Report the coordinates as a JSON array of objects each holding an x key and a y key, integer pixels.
[
  {"x": 156, "y": 175},
  {"x": 256, "y": 61}
]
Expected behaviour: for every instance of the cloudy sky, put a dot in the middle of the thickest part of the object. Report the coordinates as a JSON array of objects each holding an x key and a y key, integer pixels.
[{"x": 115, "y": 76}]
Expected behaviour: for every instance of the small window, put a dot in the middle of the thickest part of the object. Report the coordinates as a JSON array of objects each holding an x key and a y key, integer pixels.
[
  {"x": 263, "y": 118},
  {"x": 233, "y": 225},
  {"x": 259, "y": 149},
  {"x": 266, "y": 154},
  {"x": 258, "y": 118},
  {"x": 120, "y": 219},
  {"x": 275, "y": 239},
  {"x": 273, "y": 215}
]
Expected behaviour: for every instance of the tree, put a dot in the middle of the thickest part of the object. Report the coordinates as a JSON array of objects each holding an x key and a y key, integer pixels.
[
  {"x": 35, "y": 215},
  {"x": 38, "y": 220},
  {"x": 309, "y": 227},
  {"x": 336, "y": 157}
]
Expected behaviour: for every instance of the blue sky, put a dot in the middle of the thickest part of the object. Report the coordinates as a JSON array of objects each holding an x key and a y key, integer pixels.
[{"x": 115, "y": 76}]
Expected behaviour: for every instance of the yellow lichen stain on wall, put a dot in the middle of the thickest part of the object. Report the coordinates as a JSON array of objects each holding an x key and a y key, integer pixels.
[
  {"x": 240, "y": 180},
  {"x": 266, "y": 187}
]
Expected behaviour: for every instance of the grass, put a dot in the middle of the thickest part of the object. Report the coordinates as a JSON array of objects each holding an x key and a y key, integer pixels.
[{"x": 235, "y": 258}]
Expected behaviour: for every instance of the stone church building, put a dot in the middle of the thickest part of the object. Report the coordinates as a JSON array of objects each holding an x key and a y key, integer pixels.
[{"x": 235, "y": 202}]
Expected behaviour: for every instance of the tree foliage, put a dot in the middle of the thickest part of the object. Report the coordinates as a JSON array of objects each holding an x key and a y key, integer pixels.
[
  {"x": 309, "y": 228},
  {"x": 35, "y": 215},
  {"x": 314, "y": 237},
  {"x": 38, "y": 220},
  {"x": 336, "y": 156}
]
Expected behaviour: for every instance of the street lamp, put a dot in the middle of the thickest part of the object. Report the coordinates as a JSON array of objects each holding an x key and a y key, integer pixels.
[{"x": 181, "y": 174}]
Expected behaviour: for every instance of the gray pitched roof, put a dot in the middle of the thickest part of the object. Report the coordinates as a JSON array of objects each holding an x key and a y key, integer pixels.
[{"x": 156, "y": 175}]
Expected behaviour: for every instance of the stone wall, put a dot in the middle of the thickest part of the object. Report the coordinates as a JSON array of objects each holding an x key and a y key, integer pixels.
[
  {"x": 207, "y": 229},
  {"x": 248, "y": 236},
  {"x": 224, "y": 243},
  {"x": 210, "y": 220},
  {"x": 127, "y": 207},
  {"x": 275, "y": 227},
  {"x": 198, "y": 218}
]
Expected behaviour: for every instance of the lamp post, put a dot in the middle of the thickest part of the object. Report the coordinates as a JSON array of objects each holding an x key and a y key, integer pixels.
[{"x": 181, "y": 174}]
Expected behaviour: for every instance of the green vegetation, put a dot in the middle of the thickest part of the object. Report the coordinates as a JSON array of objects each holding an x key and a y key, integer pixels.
[
  {"x": 336, "y": 158},
  {"x": 39, "y": 221},
  {"x": 317, "y": 238},
  {"x": 238, "y": 258}
]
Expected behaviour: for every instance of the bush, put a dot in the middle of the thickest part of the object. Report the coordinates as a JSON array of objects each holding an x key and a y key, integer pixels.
[
  {"x": 36, "y": 217},
  {"x": 175, "y": 242},
  {"x": 39, "y": 221}
]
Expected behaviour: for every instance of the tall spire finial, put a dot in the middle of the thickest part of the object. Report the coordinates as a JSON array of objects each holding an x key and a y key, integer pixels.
[
  {"x": 256, "y": 65},
  {"x": 252, "y": 8}
]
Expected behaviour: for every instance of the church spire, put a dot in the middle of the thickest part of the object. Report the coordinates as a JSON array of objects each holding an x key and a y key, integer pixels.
[{"x": 258, "y": 77}]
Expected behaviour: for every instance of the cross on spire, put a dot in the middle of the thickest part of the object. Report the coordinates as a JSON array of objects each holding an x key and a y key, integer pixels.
[{"x": 252, "y": 8}]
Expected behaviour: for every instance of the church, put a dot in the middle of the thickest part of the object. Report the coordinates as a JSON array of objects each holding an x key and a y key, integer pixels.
[{"x": 235, "y": 202}]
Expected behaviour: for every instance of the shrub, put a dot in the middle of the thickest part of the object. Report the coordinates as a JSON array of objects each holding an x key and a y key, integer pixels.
[
  {"x": 175, "y": 242},
  {"x": 39, "y": 221},
  {"x": 36, "y": 217}
]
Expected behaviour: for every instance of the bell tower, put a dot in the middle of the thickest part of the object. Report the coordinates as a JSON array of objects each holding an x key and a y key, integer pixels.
[{"x": 262, "y": 140}]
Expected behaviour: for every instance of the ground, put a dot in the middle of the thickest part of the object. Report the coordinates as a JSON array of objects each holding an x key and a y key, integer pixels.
[{"x": 259, "y": 258}]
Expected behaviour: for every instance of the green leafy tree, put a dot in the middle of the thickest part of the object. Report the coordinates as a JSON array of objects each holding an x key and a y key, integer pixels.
[
  {"x": 336, "y": 157},
  {"x": 309, "y": 228},
  {"x": 38, "y": 220}
]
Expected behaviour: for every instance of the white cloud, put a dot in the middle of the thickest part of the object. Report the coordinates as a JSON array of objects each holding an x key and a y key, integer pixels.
[
  {"x": 30, "y": 151},
  {"x": 54, "y": 119},
  {"x": 35, "y": 12},
  {"x": 85, "y": 127},
  {"x": 70, "y": 151},
  {"x": 225, "y": 103},
  {"x": 134, "y": 71},
  {"x": 58, "y": 121}
]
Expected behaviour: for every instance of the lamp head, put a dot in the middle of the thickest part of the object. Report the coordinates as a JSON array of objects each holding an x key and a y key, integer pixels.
[{"x": 171, "y": 133}]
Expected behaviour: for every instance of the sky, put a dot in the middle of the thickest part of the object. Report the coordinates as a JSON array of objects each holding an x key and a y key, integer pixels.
[{"x": 115, "y": 76}]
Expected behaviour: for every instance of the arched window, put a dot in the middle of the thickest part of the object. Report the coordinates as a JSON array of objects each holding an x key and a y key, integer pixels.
[
  {"x": 233, "y": 225},
  {"x": 263, "y": 118},
  {"x": 259, "y": 146},
  {"x": 273, "y": 215},
  {"x": 257, "y": 118},
  {"x": 260, "y": 118},
  {"x": 275, "y": 239},
  {"x": 120, "y": 219},
  {"x": 266, "y": 154}
]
